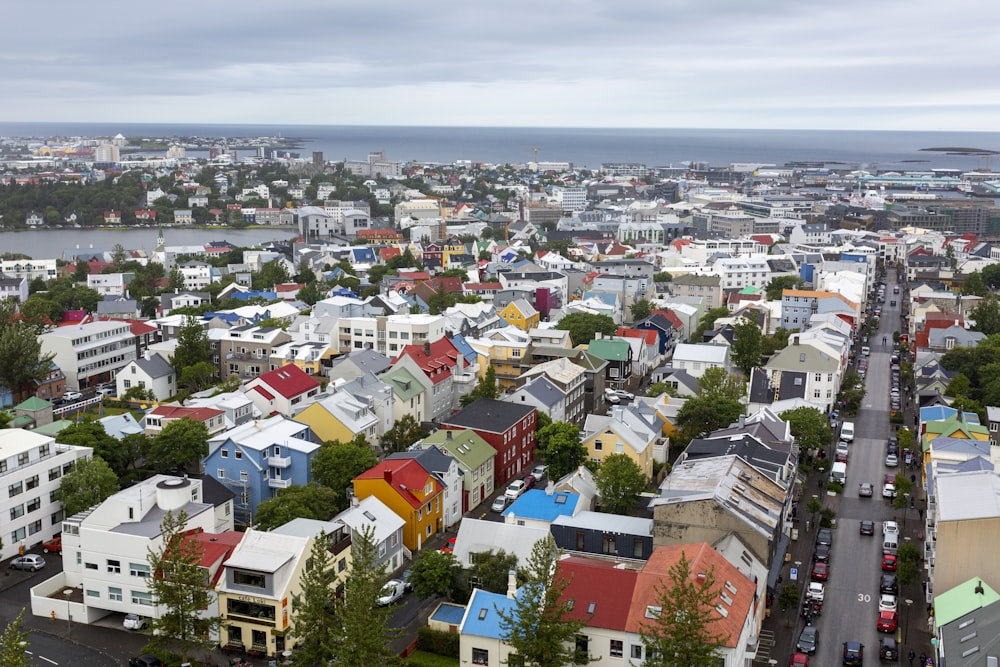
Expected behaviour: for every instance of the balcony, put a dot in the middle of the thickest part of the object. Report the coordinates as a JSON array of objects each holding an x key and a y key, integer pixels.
[
  {"x": 243, "y": 356},
  {"x": 279, "y": 461},
  {"x": 279, "y": 483}
]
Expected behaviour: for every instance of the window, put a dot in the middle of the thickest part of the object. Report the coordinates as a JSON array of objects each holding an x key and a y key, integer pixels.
[
  {"x": 220, "y": 473},
  {"x": 243, "y": 475},
  {"x": 17, "y": 535},
  {"x": 225, "y": 453},
  {"x": 617, "y": 648},
  {"x": 138, "y": 570},
  {"x": 93, "y": 594},
  {"x": 34, "y": 504},
  {"x": 114, "y": 594},
  {"x": 114, "y": 566},
  {"x": 581, "y": 541},
  {"x": 43, "y": 450},
  {"x": 239, "y": 454},
  {"x": 22, "y": 458},
  {"x": 619, "y": 448},
  {"x": 54, "y": 473},
  {"x": 253, "y": 579},
  {"x": 142, "y": 598},
  {"x": 15, "y": 489},
  {"x": 31, "y": 482},
  {"x": 637, "y": 550},
  {"x": 480, "y": 656},
  {"x": 608, "y": 545},
  {"x": 598, "y": 445}
]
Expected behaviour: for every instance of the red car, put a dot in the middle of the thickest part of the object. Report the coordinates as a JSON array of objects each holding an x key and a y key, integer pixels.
[
  {"x": 888, "y": 563},
  {"x": 820, "y": 572},
  {"x": 887, "y": 621},
  {"x": 529, "y": 481},
  {"x": 54, "y": 545},
  {"x": 798, "y": 660},
  {"x": 450, "y": 547}
]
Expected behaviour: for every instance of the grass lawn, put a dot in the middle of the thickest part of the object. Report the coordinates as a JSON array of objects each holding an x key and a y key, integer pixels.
[{"x": 424, "y": 659}]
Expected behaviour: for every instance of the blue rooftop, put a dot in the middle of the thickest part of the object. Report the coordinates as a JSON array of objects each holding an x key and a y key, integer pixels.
[
  {"x": 537, "y": 504},
  {"x": 482, "y": 618},
  {"x": 471, "y": 356},
  {"x": 254, "y": 294},
  {"x": 936, "y": 413},
  {"x": 449, "y": 613}
]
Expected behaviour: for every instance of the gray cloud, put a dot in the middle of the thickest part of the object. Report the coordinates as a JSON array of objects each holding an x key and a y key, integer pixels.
[{"x": 674, "y": 63}]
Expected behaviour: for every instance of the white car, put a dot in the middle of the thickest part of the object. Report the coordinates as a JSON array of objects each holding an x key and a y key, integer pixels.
[
  {"x": 889, "y": 490},
  {"x": 890, "y": 528},
  {"x": 816, "y": 591},
  {"x": 393, "y": 590},
  {"x": 539, "y": 472},
  {"x": 887, "y": 602},
  {"x": 72, "y": 396},
  {"x": 500, "y": 503},
  {"x": 891, "y": 460},
  {"x": 134, "y": 622},
  {"x": 515, "y": 489}
]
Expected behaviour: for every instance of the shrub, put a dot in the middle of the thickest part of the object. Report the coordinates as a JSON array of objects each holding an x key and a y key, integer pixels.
[
  {"x": 436, "y": 641},
  {"x": 836, "y": 487},
  {"x": 827, "y": 516}
]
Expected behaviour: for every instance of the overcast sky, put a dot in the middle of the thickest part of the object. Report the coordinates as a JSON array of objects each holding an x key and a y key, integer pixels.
[{"x": 847, "y": 64}]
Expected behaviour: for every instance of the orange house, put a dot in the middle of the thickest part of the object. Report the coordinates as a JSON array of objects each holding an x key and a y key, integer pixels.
[{"x": 409, "y": 490}]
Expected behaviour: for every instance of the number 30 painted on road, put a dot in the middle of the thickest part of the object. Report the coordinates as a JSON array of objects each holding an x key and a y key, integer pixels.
[{"x": 864, "y": 597}]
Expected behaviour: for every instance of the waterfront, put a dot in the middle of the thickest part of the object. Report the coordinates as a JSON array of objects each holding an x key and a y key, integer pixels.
[
  {"x": 588, "y": 147},
  {"x": 48, "y": 243}
]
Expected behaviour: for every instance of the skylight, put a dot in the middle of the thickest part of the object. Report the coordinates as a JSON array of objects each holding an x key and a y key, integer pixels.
[{"x": 483, "y": 612}]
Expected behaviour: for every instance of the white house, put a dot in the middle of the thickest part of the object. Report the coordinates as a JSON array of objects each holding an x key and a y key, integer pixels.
[
  {"x": 151, "y": 372},
  {"x": 91, "y": 352},
  {"x": 32, "y": 466},
  {"x": 696, "y": 358}
]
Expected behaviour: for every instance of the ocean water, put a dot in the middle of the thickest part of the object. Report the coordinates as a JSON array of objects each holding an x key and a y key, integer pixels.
[{"x": 584, "y": 147}]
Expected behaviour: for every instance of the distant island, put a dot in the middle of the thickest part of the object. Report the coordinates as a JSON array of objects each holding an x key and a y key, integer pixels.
[{"x": 953, "y": 150}]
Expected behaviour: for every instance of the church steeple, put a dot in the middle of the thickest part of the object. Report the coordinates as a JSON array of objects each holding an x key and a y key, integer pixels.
[{"x": 160, "y": 243}]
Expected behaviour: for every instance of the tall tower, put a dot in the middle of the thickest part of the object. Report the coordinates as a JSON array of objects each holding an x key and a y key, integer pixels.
[{"x": 160, "y": 242}]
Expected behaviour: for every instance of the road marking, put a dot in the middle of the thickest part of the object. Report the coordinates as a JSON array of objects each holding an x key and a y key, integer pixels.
[
  {"x": 42, "y": 657},
  {"x": 864, "y": 597}
]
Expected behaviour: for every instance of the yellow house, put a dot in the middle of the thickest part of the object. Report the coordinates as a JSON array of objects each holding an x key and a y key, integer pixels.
[
  {"x": 953, "y": 427},
  {"x": 621, "y": 432},
  {"x": 307, "y": 356},
  {"x": 521, "y": 314},
  {"x": 341, "y": 417},
  {"x": 666, "y": 407},
  {"x": 505, "y": 350},
  {"x": 409, "y": 490}
]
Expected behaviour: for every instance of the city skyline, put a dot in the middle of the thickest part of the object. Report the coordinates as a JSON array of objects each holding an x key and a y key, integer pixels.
[{"x": 720, "y": 64}]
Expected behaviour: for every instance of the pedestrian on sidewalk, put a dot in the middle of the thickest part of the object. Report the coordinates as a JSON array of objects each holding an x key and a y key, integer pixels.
[
  {"x": 911, "y": 656},
  {"x": 923, "y": 658}
]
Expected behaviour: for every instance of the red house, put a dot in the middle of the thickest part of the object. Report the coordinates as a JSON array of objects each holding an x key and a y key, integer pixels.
[{"x": 510, "y": 430}]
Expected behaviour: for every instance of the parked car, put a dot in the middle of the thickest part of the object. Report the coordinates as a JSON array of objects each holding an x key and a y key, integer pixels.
[
  {"x": 888, "y": 563},
  {"x": 500, "y": 503},
  {"x": 449, "y": 547},
  {"x": 820, "y": 571},
  {"x": 842, "y": 452},
  {"x": 891, "y": 460},
  {"x": 515, "y": 489},
  {"x": 393, "y": 590},
  {"x": 54, "y": 545},
  {"x": 888, "y": 584},
  {"x": 822, "y": 553},
  {"x": 865, "y": 490},
  {"x": 854, "y": 653},
  {"x": 867, "y": 527},
  {"x": 529, "y": 481},
  {"x": 889, "y": 490},
  {"x": 890, "y": 527},
  {"x": 887, "y": 621},
  {"x": 798, "y": 660},
  {"x": 816, "y": 591},
  {"x": 31, "y": 562},
  {"x": 144, "y": 660},
  {"x": 808, "y": 640},
  {"x": 134, "y": 622},
  {"x": 72, "y": 396},
  {"x": 888, "y": 649},
  {"x": 539, "y": 472},
  {"x": 824, "y": 536},
  {"x": 887, "y": 602}
]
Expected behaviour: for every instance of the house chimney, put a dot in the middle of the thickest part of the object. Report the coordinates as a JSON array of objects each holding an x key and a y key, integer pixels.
[
  {"x": 511, "y": 584},
  {"x": 618, "y": 413},
  {"x": 387, "y": 475},
  {"x": 447, "y": 434},
  {"x": 741, "y": 422}
]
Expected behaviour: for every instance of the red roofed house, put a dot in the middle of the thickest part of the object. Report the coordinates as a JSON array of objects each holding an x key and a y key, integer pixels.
[
  {"x": 409, "y": 490},
  {"x": 385, "y": 254},
  {"x": 112, "y": 217},
  {"x": 288, "y": 291},
  {"x": 378, "y": 235},
  {"x": 158, "y": 418},
  {"x": 145, "y": 214},
  {"x": 282, "y": 390},
  {"x": 651, "y": 339},
  {"x": 438, "y": 365}
]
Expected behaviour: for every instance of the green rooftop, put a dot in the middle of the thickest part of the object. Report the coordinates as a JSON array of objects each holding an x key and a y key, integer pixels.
[
  {"x": 404, "y": 385},
  {"x": 963, "y": 599},
  {"x": 55, "y": 428},
  {"x": 463, "y": 444},
  {"x": 33, "y": 404},
  {"x": 609, "y": 350}
]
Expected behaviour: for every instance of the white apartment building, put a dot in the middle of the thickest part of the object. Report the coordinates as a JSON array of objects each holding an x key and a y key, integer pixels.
[
  {"x": 388, "y": 335},
  {"x": 91, "y": 352},
  {"x": 31, "y": 466},
  {"x": 45, "y": 269},
  {"x": 570, "y": 199},
  {"x": 197, "y": 275},
  {"x": 106, "y": 548},
  {"x": 740, "y": 272},
  {"x": 700, "y": 250},
  {"x": 107, "y": 284}
]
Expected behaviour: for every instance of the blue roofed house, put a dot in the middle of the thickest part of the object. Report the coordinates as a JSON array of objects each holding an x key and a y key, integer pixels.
[
  {"x": 481, "y": 637},
  {"x": 118, "y": 426},
  {"x": 540, "y": 507},
  {"x": 257, "y": 459}
]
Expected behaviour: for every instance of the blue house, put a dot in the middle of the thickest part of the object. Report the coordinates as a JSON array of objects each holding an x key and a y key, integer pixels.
[
  {"x": 540, "y": 507},
  {"x": 257, "y": 459},
  {"x": 481, "y": 636}
]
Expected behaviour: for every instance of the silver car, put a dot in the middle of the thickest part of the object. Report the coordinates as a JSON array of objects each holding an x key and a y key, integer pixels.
[{"x": 31, "y": 562}]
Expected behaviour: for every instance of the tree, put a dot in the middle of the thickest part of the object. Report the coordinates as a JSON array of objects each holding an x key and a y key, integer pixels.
[
  {"x": 175, "y": 280},
  {"x": 788, "y": 597},
  {"x": 90, "y": 482},
  {"x": 81, "y": 271},
  {"x": 986, "y": 316},
  {"x": 337, "y": 463},
  {"x": 403, "y": 433},
  {"x": 271, "y": 274},
  {"x": 975, "y": 285},
  {"x": 313, "y": 626},
  {"x": 486, "y": 387},
  {"x": 640, "y": 309},
  {"x": 40, "y": 311},
  {"x": 296, "y": 502},
  {"x": 560, "y": 447},
  {"x": 197, "y": 376},
  {"x": 776, "y": 341},
  {"x": 584, "y": 327},
  {"x": 707, "y": 322},
  {"x": 810, "y": 427},
  {"x": 718, "y": 382},
  {"x": 620, "y": 481},
  {"x": 747, "y": 347},
  {"x": 904, "y": 438},
  {"x": 780, "y": 284},
  {"x": 193, "y": 345},
  {"x": 182, "y": 443},
  {"x": 14, "y": 644},
  {"x": 363, "y": 627},
  {"x": 959, "y": 386},
  {"x": 682, "y": 632},
  {"x": 658, "y": 388},
  {"x": 22, "y": 363},
  {"x": 435, "y": 572},
  {"x": 662, "y": 277},
  {"x": 180, "y": 591},
  {"x": 490, "y": 570},
  {"x": 717, "y": 405},
  {"x": 538, "y": 626}
]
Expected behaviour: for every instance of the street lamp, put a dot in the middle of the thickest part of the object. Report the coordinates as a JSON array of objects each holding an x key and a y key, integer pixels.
[
  {"x": 906, "y": 632},
  {"x": 906, "y": 504}
]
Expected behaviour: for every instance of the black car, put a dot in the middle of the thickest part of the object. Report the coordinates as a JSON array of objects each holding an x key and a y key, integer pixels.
[
  {"x": 867, "y": 527},
  {"x": 144, "y": 660},
  {"x": 808, "y": 640},
  {"x": 888, "y": 584},
  {"x": 888, "y": 649},
  {"x": 854, "y": 653},
  {"x": 824, "y": 536},
  {"x": 822, "y": 553}
]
